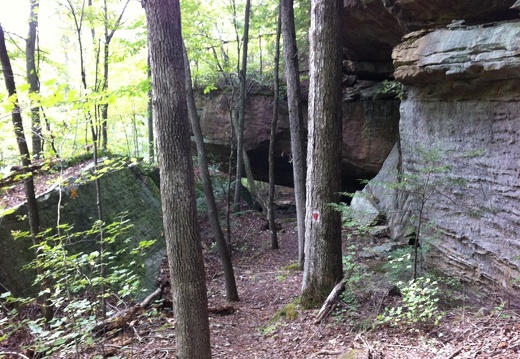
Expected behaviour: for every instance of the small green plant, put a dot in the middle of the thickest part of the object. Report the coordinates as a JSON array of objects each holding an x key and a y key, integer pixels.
[
  {"x": 281, "y": 277},
  {"x": 419, "y": 304},
  {"x": 432, "y": 178},
  {"x": 354, "y": 274},
  {"x": 269, "y": 329},
  {"x": 393, "y": 87},
  {"x": 292, "y": 267},
  {"x": 77, "y": 281},
  {"x": 288, "y": 311},
  {"x": 349, "y": 221},
  {"x": 399, "y": 265}
]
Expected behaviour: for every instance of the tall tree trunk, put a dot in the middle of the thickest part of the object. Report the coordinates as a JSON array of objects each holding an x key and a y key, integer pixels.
[
  {"x": 274, "y": 124},
  {"x": 241, "y": 108},
  {"x": 32, "y": 78},
  {"x": 30, "y": 196},
  {"x": 294, "y": 101},
  {"x": 225, "y": 258},
  {"x": 181, "y": 229},
  {"x": 323, "y": 267}
]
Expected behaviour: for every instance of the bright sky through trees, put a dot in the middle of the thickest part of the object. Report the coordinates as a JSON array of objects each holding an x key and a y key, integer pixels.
[
  {"x": 14, "y": 15},
  {"x": 212, "y": 33}
]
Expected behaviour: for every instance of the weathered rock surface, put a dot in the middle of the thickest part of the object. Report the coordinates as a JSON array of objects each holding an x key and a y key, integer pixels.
[
  {"x": 370, "y": 32},
  {"x": 127, "y": 190},
  {"x": 372, "y": 28},
  {"x": 459, "y": 61},
  {"x": 370, "y": 130},
  {"x": 420, "y": 14},
  {"x": 365, "y": 210},
  {"x": 462, "y": 101}
]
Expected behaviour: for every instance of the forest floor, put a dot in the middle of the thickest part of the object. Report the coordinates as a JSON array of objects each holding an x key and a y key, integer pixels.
[
  {"x": 263, "y": 326},
  {"x": 264, "y": 323},
  {"x": 268, "y": 322}
]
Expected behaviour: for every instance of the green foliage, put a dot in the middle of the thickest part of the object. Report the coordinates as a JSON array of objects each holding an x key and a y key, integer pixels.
[
  {"x": 393, "y": 87},
  {"x": 419, "y": 305},
  {"x": 355, "y": 275},
  {"x": 289, "y": 312},
  {"x": 399, "y": 265},
  {"x": 75, "y": 278},
  {"x": 356, "y": 228},
  {"x": 213, "y": 33},
  {"x": 292, "y": 267}
]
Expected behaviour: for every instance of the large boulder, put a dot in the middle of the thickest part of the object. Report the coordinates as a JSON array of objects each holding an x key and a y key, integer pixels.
[{"x": 128, "y": 190}]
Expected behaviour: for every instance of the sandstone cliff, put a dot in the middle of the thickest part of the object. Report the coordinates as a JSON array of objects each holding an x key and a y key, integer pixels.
[
  {"x": 461, "y": 98},
  {"x": 370, "y": 130}
]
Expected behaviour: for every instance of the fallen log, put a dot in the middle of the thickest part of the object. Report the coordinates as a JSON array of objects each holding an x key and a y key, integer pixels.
[
  {"x": 122, "y": 318},
  {"x": 332, "y": 298}
]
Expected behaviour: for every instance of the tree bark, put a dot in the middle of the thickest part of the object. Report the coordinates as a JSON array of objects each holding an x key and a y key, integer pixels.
[
  {"x": 225, "y": 258},
  {"x": 181, "y": 229},
  {"x": 151, "y": 141},
  {"x": 241, "y": 108},
  {"x": 32, "y": 78},
  {"x": 274, "y": 124},
  {"x": 294, "y": 101},
  {"x": 106, "y": 53},
  {"x": 34, "y": 218},
  {"x": 323, "y": 267},
  {"x": 32, "y": 204}
]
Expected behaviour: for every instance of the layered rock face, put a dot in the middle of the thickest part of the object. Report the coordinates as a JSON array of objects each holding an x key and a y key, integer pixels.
[
  {"x": 462, "y": 100},
  {"x": 420, "y": 14},
  {"x": 370, "y": 130},
  {"x": 460, "y": 115},
  {"x": 459, "y": 129}
]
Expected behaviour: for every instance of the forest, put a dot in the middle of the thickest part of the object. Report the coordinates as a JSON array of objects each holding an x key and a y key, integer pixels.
[{"x": 126, "y": 237}]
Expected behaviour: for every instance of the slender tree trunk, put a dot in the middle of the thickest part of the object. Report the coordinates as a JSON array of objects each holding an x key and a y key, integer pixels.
[
  {"x": 151, "y": 142},
  {"x": 34, "y": 219},
  {"x": 274, "y": 124},
  {"x": 25, "y": 156},
  {"x": 225, "y": 258},
  {"x": 51, "y": 134},
  {"x": 104, "y": 106},
  {"x": 106, "y": 53},
  {"x": 241, "y": 108},
  {"x": 94, "y": 129},
  {"x": 32, "y": 78},
  {"x": 181, "y": 229},
  {"x": 323, "y": 267},
  {"x": 292, "y": 73}
]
